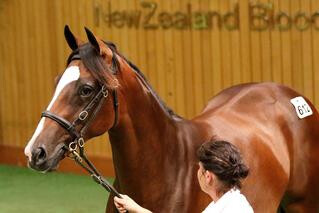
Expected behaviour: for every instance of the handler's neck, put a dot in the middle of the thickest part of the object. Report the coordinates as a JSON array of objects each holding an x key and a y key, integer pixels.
[{"x": 214, "y": 195}]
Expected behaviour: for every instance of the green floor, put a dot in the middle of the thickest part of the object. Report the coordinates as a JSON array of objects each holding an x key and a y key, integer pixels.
[{"x": 27, "y": 191}]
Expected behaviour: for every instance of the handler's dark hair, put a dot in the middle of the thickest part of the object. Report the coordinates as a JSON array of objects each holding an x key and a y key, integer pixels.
[{"x": 225, "y": 161}]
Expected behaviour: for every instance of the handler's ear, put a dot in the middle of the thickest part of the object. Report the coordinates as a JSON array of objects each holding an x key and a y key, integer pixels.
[
  {"x": 209, "y": 177},
  {"x": 72, "y": 41}
]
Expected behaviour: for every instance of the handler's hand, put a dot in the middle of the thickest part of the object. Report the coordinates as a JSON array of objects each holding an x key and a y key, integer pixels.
[{"x": 128, "y": 204}]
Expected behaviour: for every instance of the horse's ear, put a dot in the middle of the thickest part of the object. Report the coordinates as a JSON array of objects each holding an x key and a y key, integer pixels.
[
  {"x": 98, "y": 44},
  {"x": 92, "y": 39},
  {"x": 72, "y": 41}
]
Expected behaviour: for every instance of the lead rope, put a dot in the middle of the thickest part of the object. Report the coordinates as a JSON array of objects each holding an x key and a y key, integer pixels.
[
  {"x": 78, "y": 157},
  {"x": 81, "y": 159}
]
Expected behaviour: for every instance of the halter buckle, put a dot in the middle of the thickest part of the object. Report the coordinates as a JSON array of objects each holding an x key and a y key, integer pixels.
[
  {"x": 73, "y": 146},
  {"x": 105, "y": 92},
  {"x": 83, "y": 115},
  {"x": 81, "y": 142}
]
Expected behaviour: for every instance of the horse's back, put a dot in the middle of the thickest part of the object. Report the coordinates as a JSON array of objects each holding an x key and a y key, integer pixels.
[{"x": 279, "y": 148}]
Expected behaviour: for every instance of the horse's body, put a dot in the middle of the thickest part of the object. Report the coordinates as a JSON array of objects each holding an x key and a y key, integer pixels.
[
  {"x": 154, "y": 149},
  {"x": 279, "y": 148}
]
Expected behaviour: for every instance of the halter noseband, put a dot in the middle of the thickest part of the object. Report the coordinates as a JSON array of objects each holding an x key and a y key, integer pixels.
[{"x": 85, "y": 117}]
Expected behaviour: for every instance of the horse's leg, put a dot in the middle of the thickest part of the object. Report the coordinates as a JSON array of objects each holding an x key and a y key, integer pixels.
[
  {"x": 308, "y": 202},
  {"x": 304, "y": 193},
  {"x": 301, "y": 207},
  {"x": 110, "y": 208},
  {"x": 281, "y": 209}
]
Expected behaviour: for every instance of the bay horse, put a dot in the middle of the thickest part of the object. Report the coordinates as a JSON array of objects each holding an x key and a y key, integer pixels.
[{"x": 154, "y": 149}]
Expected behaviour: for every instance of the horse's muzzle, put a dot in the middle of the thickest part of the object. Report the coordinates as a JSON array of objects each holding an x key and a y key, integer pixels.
[{"x": 40, "y": 160}]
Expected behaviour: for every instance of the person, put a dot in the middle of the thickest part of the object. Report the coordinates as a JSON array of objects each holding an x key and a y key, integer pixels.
[{"x": 220, "y": 173}]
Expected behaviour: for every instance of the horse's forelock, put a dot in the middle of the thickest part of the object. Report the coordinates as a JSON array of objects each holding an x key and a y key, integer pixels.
[{"x": 96, "y": 65}]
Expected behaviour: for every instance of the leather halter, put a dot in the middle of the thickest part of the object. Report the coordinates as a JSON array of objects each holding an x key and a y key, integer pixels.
[
  {"x": 85, "y": 117},
  {"x": 93, "y": 107}
]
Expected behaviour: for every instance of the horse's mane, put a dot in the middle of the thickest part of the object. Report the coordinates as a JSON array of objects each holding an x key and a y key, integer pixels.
[
  {"x": 95, "y": 63},
  {"x": 112, "y": 46}
]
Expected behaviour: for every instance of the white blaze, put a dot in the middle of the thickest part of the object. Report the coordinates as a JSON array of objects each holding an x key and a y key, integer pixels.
[{"x": 71, "y": 74}]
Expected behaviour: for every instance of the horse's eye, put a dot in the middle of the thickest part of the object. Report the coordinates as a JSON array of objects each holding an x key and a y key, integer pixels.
[{"x": 86, "y": 91}]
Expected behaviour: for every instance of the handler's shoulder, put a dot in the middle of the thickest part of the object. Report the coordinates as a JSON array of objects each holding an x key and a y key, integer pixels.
[{"x": 238, "y": 203}]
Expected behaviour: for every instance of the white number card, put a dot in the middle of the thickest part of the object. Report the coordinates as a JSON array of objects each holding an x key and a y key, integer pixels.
[{"x": 302, "y": 108}]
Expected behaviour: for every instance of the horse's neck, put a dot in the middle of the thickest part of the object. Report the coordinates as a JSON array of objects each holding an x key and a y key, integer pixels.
[
  {"x": 144, "y": 124},
  {"x": 147, "y": 142}
]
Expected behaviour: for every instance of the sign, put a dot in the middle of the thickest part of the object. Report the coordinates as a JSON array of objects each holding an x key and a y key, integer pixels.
[{"x": 150, "y": 16}]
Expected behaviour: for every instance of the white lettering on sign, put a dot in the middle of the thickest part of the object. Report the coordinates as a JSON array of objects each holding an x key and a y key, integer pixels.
[{"x": 302, "y": 108}]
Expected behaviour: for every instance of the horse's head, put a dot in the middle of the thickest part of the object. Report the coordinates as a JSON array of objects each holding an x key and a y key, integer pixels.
[{"x": 85, "y": 90}]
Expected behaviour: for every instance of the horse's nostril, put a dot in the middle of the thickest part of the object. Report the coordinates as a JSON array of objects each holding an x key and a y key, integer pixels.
[
  {"x": 39, "y": 155},
  {"x": 42, "y": 154}
]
